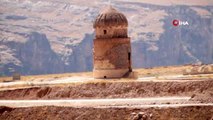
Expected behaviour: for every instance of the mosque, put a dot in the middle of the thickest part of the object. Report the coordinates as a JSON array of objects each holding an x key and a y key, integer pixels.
[{"x": 112, "y": 46}]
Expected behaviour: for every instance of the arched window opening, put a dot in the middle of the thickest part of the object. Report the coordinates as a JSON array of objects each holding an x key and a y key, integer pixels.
[{"x": 105, "y": 32}]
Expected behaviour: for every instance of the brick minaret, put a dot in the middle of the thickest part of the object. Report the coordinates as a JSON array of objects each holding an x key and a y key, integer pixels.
[{"x": 112, "y": 48}]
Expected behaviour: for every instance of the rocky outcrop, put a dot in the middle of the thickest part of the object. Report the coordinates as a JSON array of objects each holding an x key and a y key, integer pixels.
[
  {"x": 35, "y": 55},
  {"x": 177, "y": 45}
]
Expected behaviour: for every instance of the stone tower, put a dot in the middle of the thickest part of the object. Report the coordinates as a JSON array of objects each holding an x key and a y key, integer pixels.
[{"x": 112, "y": 48}]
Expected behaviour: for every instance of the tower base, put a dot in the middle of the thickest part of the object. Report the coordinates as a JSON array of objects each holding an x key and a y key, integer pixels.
[{"x": 104, "y": 74}]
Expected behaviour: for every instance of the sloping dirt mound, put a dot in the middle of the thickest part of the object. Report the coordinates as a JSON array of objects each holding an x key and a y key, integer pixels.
[
  {"x": 114, "y": 90},
  {"x": 68, "y": 113},
  {"x": 203, "y": 69},
  {"x": 43, "y": 92},
  {"x": 4, "y": 109}
]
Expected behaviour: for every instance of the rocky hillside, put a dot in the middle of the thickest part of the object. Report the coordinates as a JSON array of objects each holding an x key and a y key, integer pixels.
[{"x": 55, "y": 36}]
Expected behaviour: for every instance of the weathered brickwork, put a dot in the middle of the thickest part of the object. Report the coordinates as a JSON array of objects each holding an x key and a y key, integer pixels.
[{"x": 112, "y": 48}]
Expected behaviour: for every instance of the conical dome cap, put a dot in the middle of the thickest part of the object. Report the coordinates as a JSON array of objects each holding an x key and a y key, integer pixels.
[{"x": 110, "y": 17}]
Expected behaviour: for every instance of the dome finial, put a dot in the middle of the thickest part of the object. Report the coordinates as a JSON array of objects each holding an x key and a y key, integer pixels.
[
  {"x": 109, "y": 2},
  {"x": 110, "y": 5}
]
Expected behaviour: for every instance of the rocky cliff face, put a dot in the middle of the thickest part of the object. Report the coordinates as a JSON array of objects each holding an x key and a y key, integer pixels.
[
  {"x": 35, "y": 56},
  {"x": 40, "y": 37},
  {"x": 177, "y": 45}
]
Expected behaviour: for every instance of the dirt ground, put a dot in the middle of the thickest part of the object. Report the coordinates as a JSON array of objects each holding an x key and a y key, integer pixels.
[
  {"x": 69, "y": 113},
  {"x": 156, "y": 71},
  {"x": 151, "y": 83},
  {"x": 202, "y": 90}
]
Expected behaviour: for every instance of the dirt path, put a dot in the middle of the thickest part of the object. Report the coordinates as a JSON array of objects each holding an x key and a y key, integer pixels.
[
  {"x": 96, "y": 103},
  {"x": 79, "y": 80}
]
